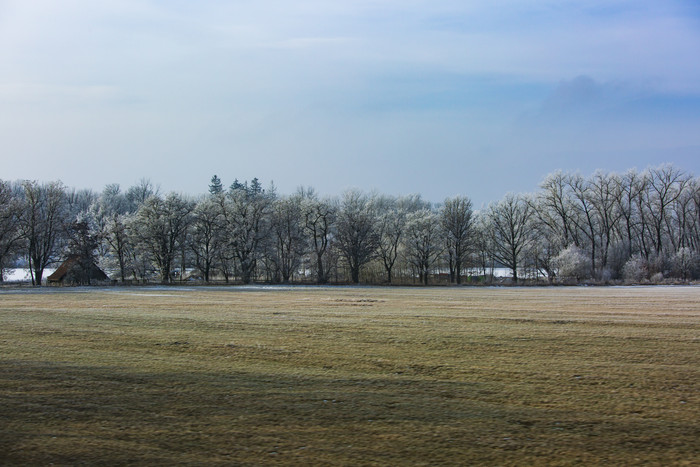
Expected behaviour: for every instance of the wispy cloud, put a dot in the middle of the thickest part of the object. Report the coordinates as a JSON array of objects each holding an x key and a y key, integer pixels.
[
  {"x": 311, "y": 42},
  {"x": 58, "y": 94}
]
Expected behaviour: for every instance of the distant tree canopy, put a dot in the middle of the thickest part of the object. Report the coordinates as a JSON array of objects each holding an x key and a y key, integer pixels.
[{"x": 635, "y": 226}]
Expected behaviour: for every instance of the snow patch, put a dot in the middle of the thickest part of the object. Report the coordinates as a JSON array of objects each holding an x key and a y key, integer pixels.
[{"x": 22, "y": 274}]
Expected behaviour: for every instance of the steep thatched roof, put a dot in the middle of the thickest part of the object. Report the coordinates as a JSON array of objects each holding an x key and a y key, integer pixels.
[{"x": 76, "y": 270}]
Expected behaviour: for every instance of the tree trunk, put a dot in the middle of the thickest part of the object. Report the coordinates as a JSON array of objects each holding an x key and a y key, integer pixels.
[
  {"x": 355, "y": 273},
  {"x": 458, "y": 269},
  {"x": 38, "y": 275}
]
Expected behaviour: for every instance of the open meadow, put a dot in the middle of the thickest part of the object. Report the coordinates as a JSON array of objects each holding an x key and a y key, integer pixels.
[{"x": 350, "y": 376}]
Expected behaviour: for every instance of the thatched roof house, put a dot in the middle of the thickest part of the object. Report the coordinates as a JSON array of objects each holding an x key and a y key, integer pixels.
[{"x": 77, "y": 271}]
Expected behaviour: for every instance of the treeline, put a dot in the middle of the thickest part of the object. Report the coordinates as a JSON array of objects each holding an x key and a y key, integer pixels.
[{"x": 634, "y": 227}]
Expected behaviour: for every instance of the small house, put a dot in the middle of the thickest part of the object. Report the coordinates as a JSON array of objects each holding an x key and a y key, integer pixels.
[{"x": 77, "y": 271}]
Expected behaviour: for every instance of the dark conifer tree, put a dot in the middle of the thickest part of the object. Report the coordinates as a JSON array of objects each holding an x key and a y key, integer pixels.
[
  {"x": 236, "y": 185},
  {"x": 216, "y": 187}
]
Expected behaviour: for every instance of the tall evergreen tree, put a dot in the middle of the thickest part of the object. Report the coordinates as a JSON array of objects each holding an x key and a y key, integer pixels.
[
  {"x": 216, "y": 187},
  {"x": 255, "y": 186},
  {"x": 236, "y": 185}
]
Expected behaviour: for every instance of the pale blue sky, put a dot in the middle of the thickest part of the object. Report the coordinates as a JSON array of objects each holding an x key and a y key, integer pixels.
[{"x": 434, "y": 97}]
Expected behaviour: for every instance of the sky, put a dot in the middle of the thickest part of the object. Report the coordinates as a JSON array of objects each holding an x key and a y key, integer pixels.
[{"x": 437, "y": 97}]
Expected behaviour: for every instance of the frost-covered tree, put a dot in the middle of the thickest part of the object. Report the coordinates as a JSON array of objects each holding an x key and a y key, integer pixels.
[
  {"x": 483, "y": 257},
  {"x": 44, "y": 214},
  {"x": 665, "y": 185},
  {"x": 112, "y": 214},
  {"x": 636, "y": 269},
  {"x": 215, "y": 186},
  {"x": 603, "y": 192},
  {"x": 553, "y": 209},
  {"x": 10, "y": 233},
  {"x": 319, "y": 222},
  {"x": 509, "y": 224},
  {"x": 423, "y": 242},
  {"x": 137, "y": 194},
  {"x": 255, "y": 187},
  {"x": 392, "y": 213},
  {"x": 686, "y": 263},
  {"x": 542, "y": 252},
  {"x": 583, "y": 215},
  {"x": 456, "y": 219},
  {"x": 572, "y": 263},
  {"x": 79, "y": 202},
  {"x": 119, "y": 242},
  {"x": 160, "y": 227},
  {"x": 247, "y": 218},
  {"x": 289, "y": 243},
  {"x": 206, "y": 238},
  {"x": 681, "y": 222},
  {"x": 629, "y": 227},
  {"x": 358, "y": 233},
  {"x": 391, "y": 224},
  {"x": 610, "y": 218}
]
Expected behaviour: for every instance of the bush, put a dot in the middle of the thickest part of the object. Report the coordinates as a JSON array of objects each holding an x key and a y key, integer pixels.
[
  {"x": 685, "y": 263},
  {"x": 636, "y": 269},
  {"x": 605, "y": 275},
  {"x": 572, "y": 263},
  {"x": 657, "y": 278},
  {"x": 617, "y": 257}
]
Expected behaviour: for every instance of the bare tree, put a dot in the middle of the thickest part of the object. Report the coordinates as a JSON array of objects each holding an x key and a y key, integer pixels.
[
  {"x": 545, "y": 246},
  {"x": 42, "y": 224},
  {"x": 555, "y": 228},
  {"x": 247, "y": 221},
  {"x": 423, "y": 242},
  {"x": 680, "y": 223},
  {"x": 290, "y": 243},
  {"x": 119, "y": 243},
  {"x": 554, "y": 209},
  {"x": 483, "y": 245},
  {"x": 206, "y": 235},
  {"x": 79, "y": 201},
  {"x": 631, "y": 187},
  {"x": 160, "y": 228},
  {"x": 10, "y": 233},
  {"x": 664, "y": 187},
  {"x": 457, "y": 223},
  {"x": 604, "y": 193},
  {"x": 509, "y": 222},
  {"x": 358, "y": 235},
  {"x": 137, "y": 194},
  {"x": 391, "y": 223},
  {"x": 695, "y": 225},
  {"x": 650, "y": 219},
  {"x": 112, "y": 214},
  {"x": 319, "y": 220},
  {"x": 585, "y": 218}
]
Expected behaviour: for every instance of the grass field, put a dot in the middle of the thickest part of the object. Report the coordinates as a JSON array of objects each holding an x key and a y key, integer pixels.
[{"x": 350, "y": 376}]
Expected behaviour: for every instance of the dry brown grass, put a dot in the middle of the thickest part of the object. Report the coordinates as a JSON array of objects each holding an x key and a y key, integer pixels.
[{"x": 361, "y": 376}]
